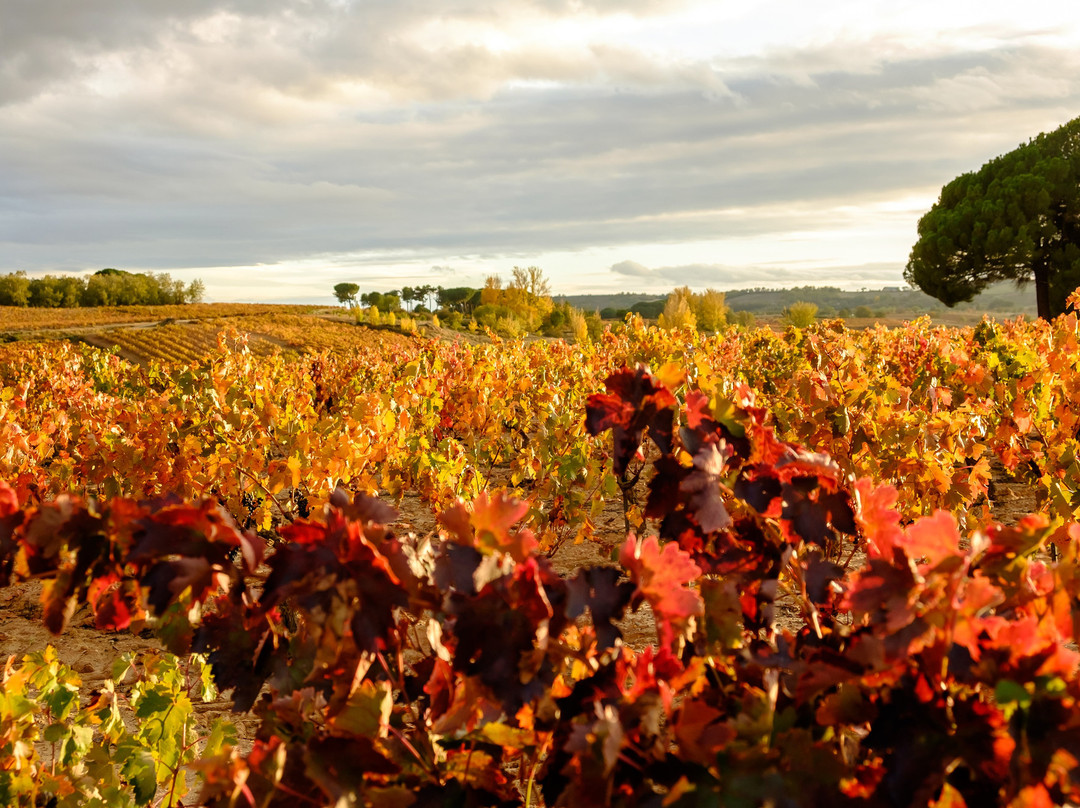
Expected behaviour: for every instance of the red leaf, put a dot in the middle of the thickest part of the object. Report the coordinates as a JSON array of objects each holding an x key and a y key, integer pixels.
[
  {"x": 703, "y": 485},
  {"x": 797, "y": 462},
  {"x": 1035, "y": 796},
  {"x": 9, "y": 500},
  {"x": 112, "y": 612},
  {"x": 661, "y": 577},
  {"x": 933, "y": 538},
  {"x": 487, "y": 524},
  {"x": 635, "y": 401},
  {"x": 877, "y": 517}
]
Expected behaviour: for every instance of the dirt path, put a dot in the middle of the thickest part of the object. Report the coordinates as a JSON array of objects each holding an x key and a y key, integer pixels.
[
  {"x": 1010, "y": 499},
  {"x": 81, "y": 330}
]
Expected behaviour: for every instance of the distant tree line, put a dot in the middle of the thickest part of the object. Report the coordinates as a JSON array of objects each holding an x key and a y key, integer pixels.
[
  {"x": 417, "y": 299},
  {"x": 1000, "y": 298},
  {"x": 106, "y": 287},
  {"x": 520, "y": 305}
]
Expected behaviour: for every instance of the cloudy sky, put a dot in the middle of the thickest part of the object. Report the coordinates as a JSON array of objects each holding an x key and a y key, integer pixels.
[{"x": 274, "y": 148}]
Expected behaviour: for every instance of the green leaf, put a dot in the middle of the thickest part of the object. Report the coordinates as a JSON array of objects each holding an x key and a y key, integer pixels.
[
  {"x": 1010, "y": 692},
  {"x": 141, "y": 774},
  {"x": 54, "y": 733},
  {"x": 121, "y": 666},
  {"x": 222, "y": 735},
  {"x": 153, "y": 701}
]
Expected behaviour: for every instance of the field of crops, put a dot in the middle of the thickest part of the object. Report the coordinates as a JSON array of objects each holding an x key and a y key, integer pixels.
[
  {"x": 260, "y": 335},
  {"x": 14, "y": 319},
  {"x": 802, "y": 518}
]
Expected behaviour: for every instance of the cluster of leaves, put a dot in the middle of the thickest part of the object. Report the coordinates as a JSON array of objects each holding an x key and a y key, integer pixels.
[
  {"x": 66, "y": 748},
  {"x": 461, "y": 668}
]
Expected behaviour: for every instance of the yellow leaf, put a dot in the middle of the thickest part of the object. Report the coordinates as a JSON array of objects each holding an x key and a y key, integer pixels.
[{"x": 507, "y": 736}]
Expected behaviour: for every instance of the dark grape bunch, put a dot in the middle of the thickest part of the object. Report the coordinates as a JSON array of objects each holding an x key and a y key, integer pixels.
[
  {"x": 300, "y": 500},
  {"x": 251, "y": 503}
]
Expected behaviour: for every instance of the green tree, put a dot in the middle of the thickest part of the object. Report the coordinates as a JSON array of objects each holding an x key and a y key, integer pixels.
[
  {"x": 458, "y": 298},
  {"x": 1016, "y": 218},
  {"x": 15, "y": 289},
  {"x": 385, "y": 303},
  {"x": 54, "y": 291},
  {"x": 426, "y": 295},
  {"x": 346, "y": 293}
]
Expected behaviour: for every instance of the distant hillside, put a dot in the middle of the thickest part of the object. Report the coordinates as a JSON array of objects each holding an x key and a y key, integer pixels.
[
  {"x": 622, "y": 300},
  {"x": 1002, "y": 300}
]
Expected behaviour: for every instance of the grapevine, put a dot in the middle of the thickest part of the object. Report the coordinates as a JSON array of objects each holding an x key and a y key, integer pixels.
[{"x": 461, "y": 667}]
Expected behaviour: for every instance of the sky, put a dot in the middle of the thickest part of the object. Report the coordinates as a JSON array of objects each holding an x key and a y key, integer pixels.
[{"x": 273, "y": 148}]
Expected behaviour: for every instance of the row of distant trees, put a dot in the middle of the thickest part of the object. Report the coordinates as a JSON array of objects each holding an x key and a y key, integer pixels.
[
  {"x": 106, "y": 287},
  {"x": 520, "y": 305},
  {"x": 411, "y": 298}
]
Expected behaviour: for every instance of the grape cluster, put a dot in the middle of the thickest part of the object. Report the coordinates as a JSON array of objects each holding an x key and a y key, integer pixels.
[
  {"x": 251, "y": 503},
  {"x": 300, "y": 500}
]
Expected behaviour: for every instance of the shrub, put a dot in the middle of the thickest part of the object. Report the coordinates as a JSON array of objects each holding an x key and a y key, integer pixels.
[
  {"x": 800, "y": 314},
  {"x": 744, "y": 319},
  {"x": 578, "y": 327},
  {"x": 678, "y": 313}
]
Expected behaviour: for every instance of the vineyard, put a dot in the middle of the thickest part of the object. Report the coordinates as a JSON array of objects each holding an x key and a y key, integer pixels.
[
  {"x": 417, "y": 570},
  {"x": 22, "y": 319}
]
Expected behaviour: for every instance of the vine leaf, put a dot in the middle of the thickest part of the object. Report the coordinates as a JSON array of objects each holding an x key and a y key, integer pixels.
[
  {"x": 934, "y": 538},
  {"x": 635, "y": 401},
  {"x": 703, "y": 486},
  {"x": 877, "y": 516},
  {"x": 661, "y": 577},
  {"x": 487, "y": 525}
]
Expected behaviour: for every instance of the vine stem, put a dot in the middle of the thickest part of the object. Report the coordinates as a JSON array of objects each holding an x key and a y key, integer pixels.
[
  {"x": 412, "y": 749},
  {"x": 532, "y": 771}
]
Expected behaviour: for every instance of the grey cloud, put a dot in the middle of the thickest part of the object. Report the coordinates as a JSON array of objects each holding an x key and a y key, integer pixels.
[
  {"x": 298, "y": 47},
  {"x": 632, "y": 269},
  {"x": 245, "y": 155}
]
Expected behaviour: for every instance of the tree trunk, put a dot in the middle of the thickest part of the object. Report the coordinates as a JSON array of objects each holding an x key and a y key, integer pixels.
[{"x": 1042, "y": 288}]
